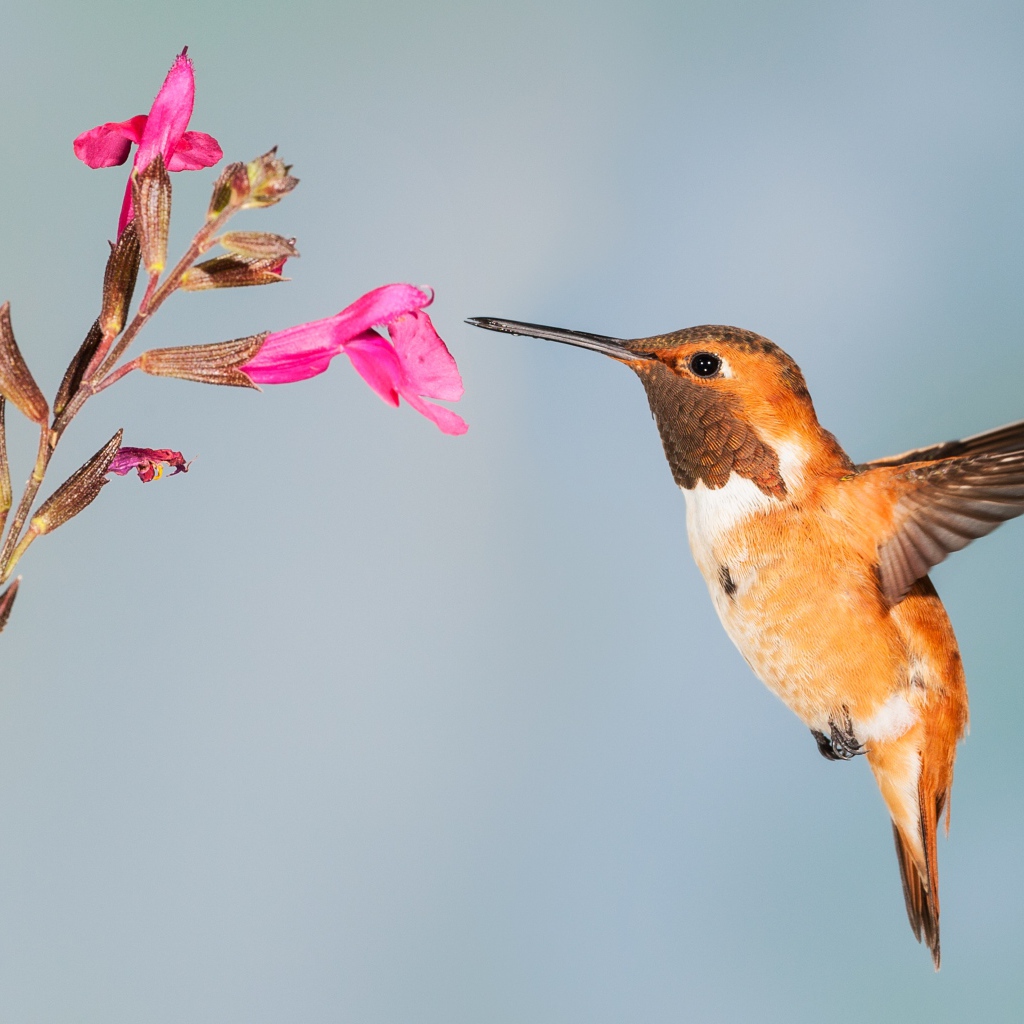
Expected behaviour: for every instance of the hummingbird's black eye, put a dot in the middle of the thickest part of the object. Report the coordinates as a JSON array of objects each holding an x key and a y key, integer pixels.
[{"x": 705, "y": 364}]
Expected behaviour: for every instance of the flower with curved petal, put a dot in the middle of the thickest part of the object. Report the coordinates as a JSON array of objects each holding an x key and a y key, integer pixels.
[
  {"x": 149, "y": 462},
  {"x": 163, "y": 130},
  {"x": 414, "y": 364}
]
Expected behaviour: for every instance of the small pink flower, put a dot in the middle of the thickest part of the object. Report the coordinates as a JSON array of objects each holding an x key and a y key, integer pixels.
[
  {"x": 162, "y": 131},
  {"x": 415, "y": 364},
  {"x": 148, "y": 461}
]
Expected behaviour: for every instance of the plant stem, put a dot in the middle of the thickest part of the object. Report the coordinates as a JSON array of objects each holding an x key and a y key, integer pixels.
[
  {"x": 155, "y": 300},
  {"x": 113, "y": 378},
  {"x": 97, "y": 379},
  {"x": 31, "y": 490}
]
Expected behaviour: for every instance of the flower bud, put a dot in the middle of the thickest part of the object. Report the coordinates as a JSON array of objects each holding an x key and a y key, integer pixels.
[
  {"x": 17, "y": 384},
  {"x": 79, "y": 490},
  {"x": 119, "y": 281},
  {"x": 207, "y": 364},
  {"x": 230, "y": 189},
  {"x": 76, "y": 368},
  {"x": 151, "y": 196},
  {"x": 260, "y": 244},
  {"x": 232, "y": 272},
  {"x": 269, "y": 180},
  {"x": 7, "y": 602}
]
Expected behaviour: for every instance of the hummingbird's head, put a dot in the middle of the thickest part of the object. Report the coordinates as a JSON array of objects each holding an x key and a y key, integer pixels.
[{"x": 725, "y": 400}]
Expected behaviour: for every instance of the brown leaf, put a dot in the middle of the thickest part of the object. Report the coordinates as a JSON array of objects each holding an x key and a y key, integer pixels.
[{"x": 207, "y": 364}]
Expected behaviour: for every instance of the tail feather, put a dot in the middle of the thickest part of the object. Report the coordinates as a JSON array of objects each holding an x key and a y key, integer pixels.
[
  {"x": 921, "y": 888},
  {"x": 916, "y": 805},
  {"x": 915, "y": 771},
  {"x": 921, "y": 898}
]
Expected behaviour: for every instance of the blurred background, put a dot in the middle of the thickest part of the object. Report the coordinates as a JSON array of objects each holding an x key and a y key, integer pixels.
[{"x": 358, "y": 722}]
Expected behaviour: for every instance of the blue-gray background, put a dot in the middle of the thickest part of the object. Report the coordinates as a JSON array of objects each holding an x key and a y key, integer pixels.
[{"x": 357, "y": 722}]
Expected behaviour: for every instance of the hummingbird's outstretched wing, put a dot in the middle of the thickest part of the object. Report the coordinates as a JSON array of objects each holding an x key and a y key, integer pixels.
[
  {"x": 945, "y": 503},
  {"x": 1003, "y": 439}
]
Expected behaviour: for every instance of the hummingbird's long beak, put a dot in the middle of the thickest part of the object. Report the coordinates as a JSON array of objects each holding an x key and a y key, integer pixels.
[{"x": 617, "y": 348}]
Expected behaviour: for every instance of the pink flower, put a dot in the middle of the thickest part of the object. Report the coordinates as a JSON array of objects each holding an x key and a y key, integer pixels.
[
  {"x": 414, "y": 364},
  {"x": 161, "y": 131},
  {"x": 148, "y": 461}
]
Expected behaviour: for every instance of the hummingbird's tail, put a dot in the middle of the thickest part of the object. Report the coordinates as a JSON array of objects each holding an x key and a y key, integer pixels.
[
  {"x": 916, "y": 790},
  {"x": 921, "y": 889}
]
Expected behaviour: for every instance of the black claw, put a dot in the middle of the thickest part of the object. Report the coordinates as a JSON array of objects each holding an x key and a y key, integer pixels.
[
  {"x": 824, "y": 746},
  {"x": 841, "y": 744}
]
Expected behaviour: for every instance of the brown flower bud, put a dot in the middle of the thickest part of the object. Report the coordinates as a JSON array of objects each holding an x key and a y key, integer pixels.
[
  {"x": 151, "y": 196},
  {"x": 16, "y": 382},
  {"x": 79, "y": 490},
  {"x": 76, "y": 368},
  {"x": 260, "y": 244},
  {"x": 7, "y": 602},
  {"x": 207, "y": 364},
  {"x": 119, "y": 280},
  {"x": 269, "y": 180},
  {"x": 230, "y": 189},
  {"x": 232, "y": 272}
]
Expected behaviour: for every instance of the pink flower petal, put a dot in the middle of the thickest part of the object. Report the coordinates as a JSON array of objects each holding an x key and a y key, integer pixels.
[
  {"x": 169, "y": 115},
  {"x": 162, "y": 130},
  {"x": 301, "y": 352},
  {"x": 195, "y": 151},
  {"x": 108, "y": 145},
  {"x": 428, "y": 365},
  {"x": 294, "y": 354},
  {"x": 127, "y": 208},
  {"x": 415, "y": 363},
  {"x": 149, "y": 462},
  {"x": 381, "y": 306},
  {"x": 449, "y": 422},
  {"x": 376, "y": 361}
]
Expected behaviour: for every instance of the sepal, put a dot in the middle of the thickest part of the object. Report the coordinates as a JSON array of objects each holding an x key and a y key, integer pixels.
[
  {"x": 206, "y": 364},
  {"x": 232, "y": 272},
  {"x": 230, "y": 189},
  {"x": 259, "y": 244},
  {"x": 151, "y": 197},
  {"x": 269, "y": 180},
  {"x": 17, "y": 384},
  {"x": 78, "y": 491},
  {"x": 119, "y": 281},
  {"x": 7, "y": 602},
  {"x": 76, "y": 368}
]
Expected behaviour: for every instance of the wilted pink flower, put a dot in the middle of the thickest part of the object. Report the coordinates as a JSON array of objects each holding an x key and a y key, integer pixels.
[
  {"x": 414, "y": 364},
  {"x": 161, "y": 131},
  {"x": 148, "y": 461}
]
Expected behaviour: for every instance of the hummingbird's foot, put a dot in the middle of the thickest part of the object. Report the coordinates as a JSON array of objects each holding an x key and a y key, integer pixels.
[
  {"x": 841, "y": 744},
  {"x": 824, "y": 746}
]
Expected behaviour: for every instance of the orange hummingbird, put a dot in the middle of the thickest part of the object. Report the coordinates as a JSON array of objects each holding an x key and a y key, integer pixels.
[{"x": 818, "y": 567}]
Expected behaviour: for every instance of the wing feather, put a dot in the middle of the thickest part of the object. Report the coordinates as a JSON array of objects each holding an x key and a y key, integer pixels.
[
  {"x": 1009, "y": 438},
  {"x": 947, "y": 503}
]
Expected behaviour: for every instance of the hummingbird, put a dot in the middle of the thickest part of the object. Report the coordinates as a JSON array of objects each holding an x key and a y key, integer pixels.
[{"x": 818, "y": 567}]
